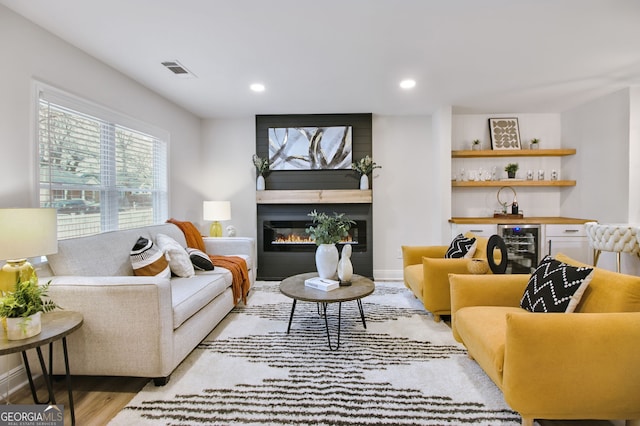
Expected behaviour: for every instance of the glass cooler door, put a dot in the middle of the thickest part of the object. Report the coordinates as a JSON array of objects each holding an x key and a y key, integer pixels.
[{"x": 523, "y": 247}]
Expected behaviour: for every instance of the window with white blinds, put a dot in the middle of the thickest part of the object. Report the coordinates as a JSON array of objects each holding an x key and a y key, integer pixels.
[{"x": 100, "y": 170}]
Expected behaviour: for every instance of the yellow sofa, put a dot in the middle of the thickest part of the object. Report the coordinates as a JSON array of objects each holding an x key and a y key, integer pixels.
[
  {"x": 582, "y": 365},
  {"x": 426, "y": 273}
]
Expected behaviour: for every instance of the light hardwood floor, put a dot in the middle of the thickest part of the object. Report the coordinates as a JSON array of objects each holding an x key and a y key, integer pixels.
[{"x": 98, "y": 399}]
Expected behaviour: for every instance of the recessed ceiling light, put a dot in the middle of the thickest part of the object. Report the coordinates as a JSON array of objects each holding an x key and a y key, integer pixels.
[
  {"x": 408, "y": 84},
  {"x": 257, "y": 87}
]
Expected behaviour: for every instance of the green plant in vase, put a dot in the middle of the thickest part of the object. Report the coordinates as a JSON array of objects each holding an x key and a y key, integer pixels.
[
  {"x": 262, "y": 169},
  {"x": 23, "y": 306},
  {"x": 534, "y": 144},
  {"x": 364, "y": 167},
  {"x": 326, "y": 231},
  {"x": 511, "y": 170}
]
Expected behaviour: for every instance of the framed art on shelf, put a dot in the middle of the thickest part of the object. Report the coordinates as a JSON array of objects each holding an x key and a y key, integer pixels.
[{"x": 505, "y": 133}]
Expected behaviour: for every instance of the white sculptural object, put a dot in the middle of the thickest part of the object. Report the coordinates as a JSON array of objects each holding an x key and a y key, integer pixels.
[
  {"x": 345, "y": 268},
  {"x": 231, "y": 231}
]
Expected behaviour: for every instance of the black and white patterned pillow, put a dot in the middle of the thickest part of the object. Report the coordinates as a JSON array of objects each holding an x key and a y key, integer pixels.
[
  {"x": 555, "y": 287},
  {"x": 201, "y": 260},
  {"x": 460, "y": 247},
  {"x": 148, "y": 259}
]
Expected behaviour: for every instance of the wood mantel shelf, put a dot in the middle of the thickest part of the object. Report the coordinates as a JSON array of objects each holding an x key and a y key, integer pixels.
[{"x": 315, "y": 196}]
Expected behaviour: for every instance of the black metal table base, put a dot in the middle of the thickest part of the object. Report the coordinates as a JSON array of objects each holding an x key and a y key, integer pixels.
[
  {"x": 323, "y": 313},
  {"x": 48, "y": 377}
]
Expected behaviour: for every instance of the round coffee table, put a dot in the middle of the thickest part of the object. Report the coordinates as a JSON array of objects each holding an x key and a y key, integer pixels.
[{"x": 294, "y": 288}]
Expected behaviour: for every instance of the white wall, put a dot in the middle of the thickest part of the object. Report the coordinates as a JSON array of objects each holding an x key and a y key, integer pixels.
[
  {"x": 441, "y": 173},
  {"x": 228, "y": 172},
  {"x": 600, "y": 131},
  {"x": 606, "y": 136},
  {"x": 404, "y": 191},
  {"x": 36, "y": 54},
  {"x": 634, "y": 155},
  {"x": 29, "y": 53}
]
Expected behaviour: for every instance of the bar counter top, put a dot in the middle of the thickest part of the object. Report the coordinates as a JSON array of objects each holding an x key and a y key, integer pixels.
[{"x": 522, "y": 221}]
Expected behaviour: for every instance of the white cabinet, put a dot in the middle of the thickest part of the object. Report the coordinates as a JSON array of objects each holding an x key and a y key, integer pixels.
[
  {"x": 570, "y": 240},
  {"x": 481, "y": 230}
]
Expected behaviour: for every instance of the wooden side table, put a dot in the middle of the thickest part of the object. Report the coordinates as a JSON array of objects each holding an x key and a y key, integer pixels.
[{"x": 56, "y": 325}]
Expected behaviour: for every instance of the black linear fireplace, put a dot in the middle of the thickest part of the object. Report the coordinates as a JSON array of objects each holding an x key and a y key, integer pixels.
[{"x": 284, "y": 248}]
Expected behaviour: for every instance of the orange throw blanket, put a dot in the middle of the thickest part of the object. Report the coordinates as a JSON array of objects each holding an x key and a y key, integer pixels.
[{"x": 237, "y": 265}]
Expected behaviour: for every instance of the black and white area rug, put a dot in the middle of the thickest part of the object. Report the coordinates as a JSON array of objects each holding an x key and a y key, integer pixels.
[{"x": 404, "y": 369}]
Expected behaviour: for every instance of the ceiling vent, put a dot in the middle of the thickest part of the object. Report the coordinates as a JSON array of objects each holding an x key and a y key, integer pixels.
[{"x": 178, "y": 69}]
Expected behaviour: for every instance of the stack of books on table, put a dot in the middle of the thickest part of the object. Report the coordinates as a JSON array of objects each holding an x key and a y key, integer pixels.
[{"x": 324, "y": 284}]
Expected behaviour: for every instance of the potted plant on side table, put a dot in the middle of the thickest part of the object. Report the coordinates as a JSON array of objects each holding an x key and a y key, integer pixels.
[
  {"x": 22, "y": 309},
  {"x": 326, "y": 232}
]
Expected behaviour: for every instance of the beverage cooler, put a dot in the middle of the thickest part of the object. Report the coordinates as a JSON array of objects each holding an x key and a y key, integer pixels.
[{"x": 523, "y": 247}]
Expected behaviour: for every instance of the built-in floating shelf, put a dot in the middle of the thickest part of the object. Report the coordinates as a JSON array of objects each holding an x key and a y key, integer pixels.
[
  {"x": 513, "y": 153},
  {"x": 499, "y": 183},
  {"x": 315, "y": 196}
]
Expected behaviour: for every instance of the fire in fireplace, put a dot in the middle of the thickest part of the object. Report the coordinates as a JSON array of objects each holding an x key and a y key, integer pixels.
[{"x": 291, "y": 235}]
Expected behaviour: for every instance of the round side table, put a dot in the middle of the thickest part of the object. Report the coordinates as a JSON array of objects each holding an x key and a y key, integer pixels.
[{"x": 56, "y": 325}]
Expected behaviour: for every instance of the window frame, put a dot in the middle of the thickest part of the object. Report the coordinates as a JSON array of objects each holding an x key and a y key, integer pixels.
[{"x": 117, "y": 119}]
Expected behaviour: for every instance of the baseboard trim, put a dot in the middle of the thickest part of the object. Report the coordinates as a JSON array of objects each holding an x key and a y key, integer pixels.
[
  {"x": 387, "y": 274},
  {"x": 11, "y": 381}
]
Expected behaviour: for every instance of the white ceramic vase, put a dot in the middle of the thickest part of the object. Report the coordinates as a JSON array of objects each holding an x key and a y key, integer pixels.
[
  {"x": 345, "y": 267},
  {"x": 260, "y": 183},
  {"x": 364, "y": 182},
  {"x": 327, "y": 260},
  {"x": 24, "y": 327}
]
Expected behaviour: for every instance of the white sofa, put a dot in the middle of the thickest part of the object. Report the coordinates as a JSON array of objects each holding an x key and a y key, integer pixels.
[{"x": 137, "y": 326}]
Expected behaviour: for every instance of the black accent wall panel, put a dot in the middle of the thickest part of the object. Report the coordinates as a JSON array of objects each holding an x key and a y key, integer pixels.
[{"x": 315, "y": 179}]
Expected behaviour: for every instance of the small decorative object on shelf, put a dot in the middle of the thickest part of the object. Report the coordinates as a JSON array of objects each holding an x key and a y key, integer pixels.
[
  {"x": 327, "y": 232},
  {"x": 534, "y": 144},
  {"x": 540, "y": 174},
  {"x": 23, "y": 307},
  {"x": 365, "y": 166},
  {"x": 503, "y": 203},
  {"x": 262, "y": 169},
  {"x": 511, "y": 170},
  {"x": 475, "y": 145}
]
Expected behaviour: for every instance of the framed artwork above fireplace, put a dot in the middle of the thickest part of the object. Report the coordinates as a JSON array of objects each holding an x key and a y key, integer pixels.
[{"x": 310, "y": 148}]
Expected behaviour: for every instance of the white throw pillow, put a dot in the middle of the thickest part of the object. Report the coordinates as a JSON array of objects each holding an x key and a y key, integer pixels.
[{"x": 176, "y": 255}]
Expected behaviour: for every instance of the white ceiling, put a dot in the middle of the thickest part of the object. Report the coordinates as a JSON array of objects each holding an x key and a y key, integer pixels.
[{"x": 342, "y": 56}]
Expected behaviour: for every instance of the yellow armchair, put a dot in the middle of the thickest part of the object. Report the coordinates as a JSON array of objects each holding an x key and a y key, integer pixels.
[
  {"x": 582, "y": 365},
  {"x": 426, "y": 274}
]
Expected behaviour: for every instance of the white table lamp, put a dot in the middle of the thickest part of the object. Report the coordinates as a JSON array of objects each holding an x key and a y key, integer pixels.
[
  {"x": 25, "y": 233},
  {"x": 216, "y": 211}
]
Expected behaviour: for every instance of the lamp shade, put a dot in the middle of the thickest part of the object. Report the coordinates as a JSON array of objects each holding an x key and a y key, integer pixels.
[
  {"x": 27, "y": 233},
  {"x": 216, "y": 210}
]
